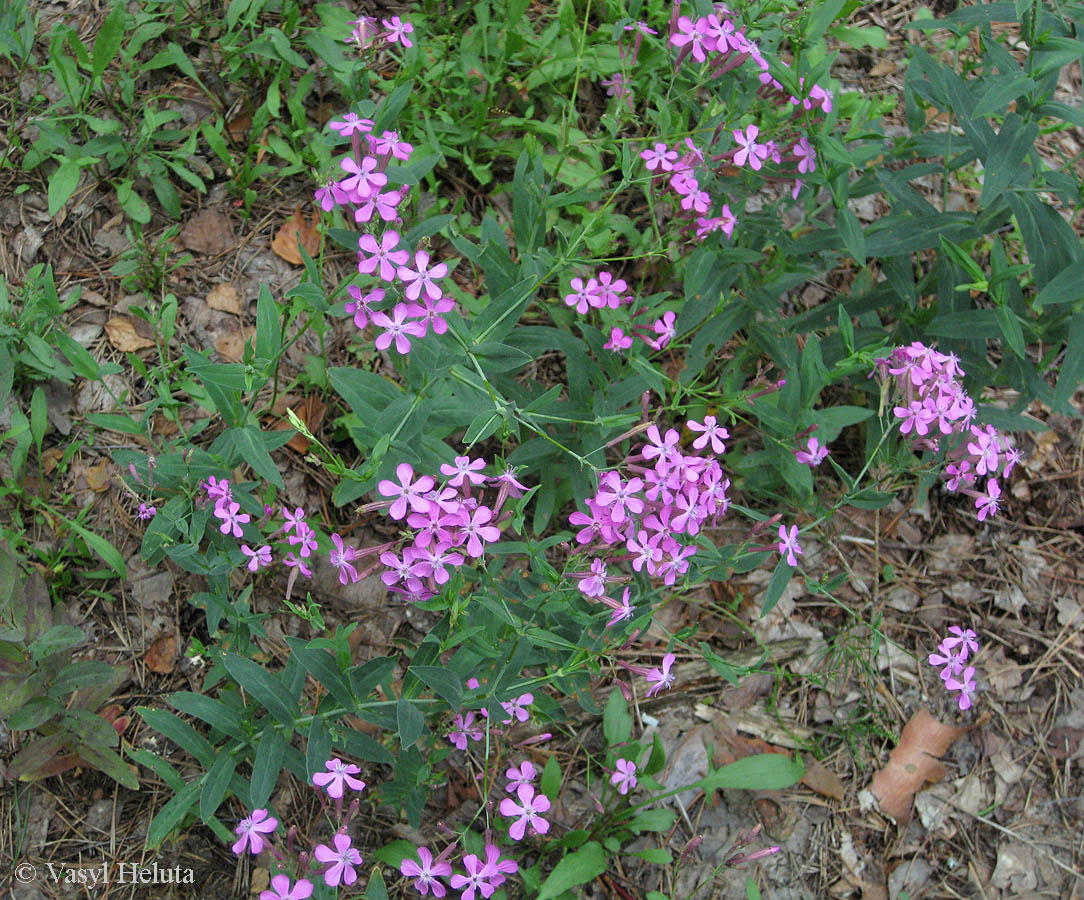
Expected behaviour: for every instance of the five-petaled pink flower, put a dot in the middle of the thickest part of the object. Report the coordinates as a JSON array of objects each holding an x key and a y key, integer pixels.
[
  {"x": 398, "y": 31},
  {"x": 711, "y": 432},
  {"x": 257, "y": 559},
  {"x": 252, "y": 830},
  {"x": 524, "y": 774},
  {"x": 384, "y": 255},
  {"x": 624, "y": 778},
  {"x": 281, "y": 889},
  {"x": 342, "y": 558},
  {"x": 661, "y": 679},
  {"x": 788, "y": 544},
  {"x": 421, "y": 276},
  {"x": 751, "y": 152},
  {"x": 406, "y": 491},
  {"x": 527, "y": 812},
  {"x": 338, "y": 773},
  {"x": 425, "y": 875},
  {"x": 814, "y": 453},
  {"x": 343, "y": 859},
  {"x": 397, "y": 327}
]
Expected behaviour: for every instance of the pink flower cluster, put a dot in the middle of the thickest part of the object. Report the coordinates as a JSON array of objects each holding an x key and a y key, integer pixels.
[
  {"x": 481, "y": 878},
  {"x": 951, "y": 657},
  {"x": 667, "y": 494},
  {"x": 719, "y": 38},
  {"x": 464, "y": 725},
  {"x": 608, "y": 292},
  {"x": 362, "y": 189},
  {"x": 365, "y": 31},
  {"x": 934, "y": 407},
  {"x": 445, "y": 520}
]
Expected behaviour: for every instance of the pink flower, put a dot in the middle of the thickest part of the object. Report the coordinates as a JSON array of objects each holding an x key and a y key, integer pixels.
[
  {"x": 517, "y": 709},
  {"x": 463, "y": 730},
  {"x": 252, "y": 829},
  {"x": 807, "y": 156},
  {"x": 987, "y": 504},
  {"x": 397, "y": 328},
  {"x": 523, "y": 775},
  {"x": 711, "y": 432},
  {"x": 304, "y": 536},
  {"x": 527, "y": 812},
  {"x": 465, "y": 469},
  {"x": 343, "y": 859},
  {"x": 361, "y": 306},
  {"x": 384, "y": 255},
  {"x": 618, "y": 341},
  {"x": 750, "y": 151},
  {"x": 425, "y": 875},
  {"x": 813, "y": 455},
  {"x": 146, "y": 512},
  {"x": 257, "y": 558},
  {"x": 351, "y": 124},
  {"x": 231, "y": 518},
  {"x": 476, "y": 879},
  {"x": 390, "y": 144},
  {"x": 661, "y": 679},
  {"x": 294, "y": 519},
  {"x": 281, "y": 890},
  {"x": 338, "y": 774},
  {"x": 624, "y": 779},
  {"x": 496, "y": 867},
  {"x": 659, "y": 157},
  {"x": 291, "y": 561},
  {"x": 665, "y": 330},
  {"x": 384, "y": 203},
  {"x": 342, "y": 558},
  {"x": 788, "y": 544},
  {"x": 693, "y": 34},
  {"x": 964, "y": 638},
  {"x": 398, "y": 31},
  {"x": 621, "y": 611},
  {"x": 965, "y": 685},
  {"x": 422, "y": 277},
  {"x": 583, "y": 295},
  {"x": 406, "y": 491},
  {"x": 364, "y": 179}
]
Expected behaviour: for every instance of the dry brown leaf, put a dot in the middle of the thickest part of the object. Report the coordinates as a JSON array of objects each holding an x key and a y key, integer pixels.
[
  {"x": 98, "y": 476},
  {"x": 913, "y": 764},
  {"x": 822, "y": 780},
  {"x": 311, "y": 411},
  {"x": 225, "y": 299},
  {"x": 238, "y": 127},
  {"x": 124, "y": 337},
  {"x": 161, "y": 655},
  {"x": 208, "y": 231},
  {"x": 297, "y": 228},
  {"x": 50, "y": 459},
  {"x": 882, "y": 68},
  {"x": 231, "y": 346}
]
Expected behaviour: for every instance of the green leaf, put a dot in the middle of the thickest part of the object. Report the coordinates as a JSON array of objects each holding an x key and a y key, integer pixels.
[
  {"x": 779, "y": 580},
  {"x": 367, "y": 676},
  {"x": 364, "y": 747},
  {"x": 171, "y": 815},
  {"x": 62, "y": 184},
  {"x": 214, "y": 712},
  {"x": 1065, "y": 287},
  {"x": 110, "y": 37},
  {"x": 132, "y": 203},
  {"x": 318, "y": 747},
  {"x": 762, "y": 772},
  {"x": 550, "y": 783},
  {"x": 1072, "y": 367},
  {"x": 376, "y": 889},
  {"x": 268, "y": 331},
  {"x": 616, "y": 719},
  {"x": 581, "y": 867},
  {"x": 657, "y": 760},
  {"x": 265, "y": 687},
  {"x": 251, "y": 443},
  {"x": 1011, "y": 331},
  {"x": 108, "y": 553},
  {"x": 36, "y": 711},
  {"x": 266, "y": 767},
  {"x": 108, "y": 761},
  {"x": 1003, "y": 164},
  {"x": 442, "y": 681},
  {"x": 79, "y": 675},
  {"x": 409, "y": 722},
  {"x": 321, "y": 665},
  {"x": 657, "y": 856},
  {"x": 215, "y": 784},
  {"x": 854, "y": 240},
  {"x": 180, "y": 732},
  {"x": 57, "y": 638},
  {"x": 653, "y": 820},
  {"x": 39, "y": 416}
]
